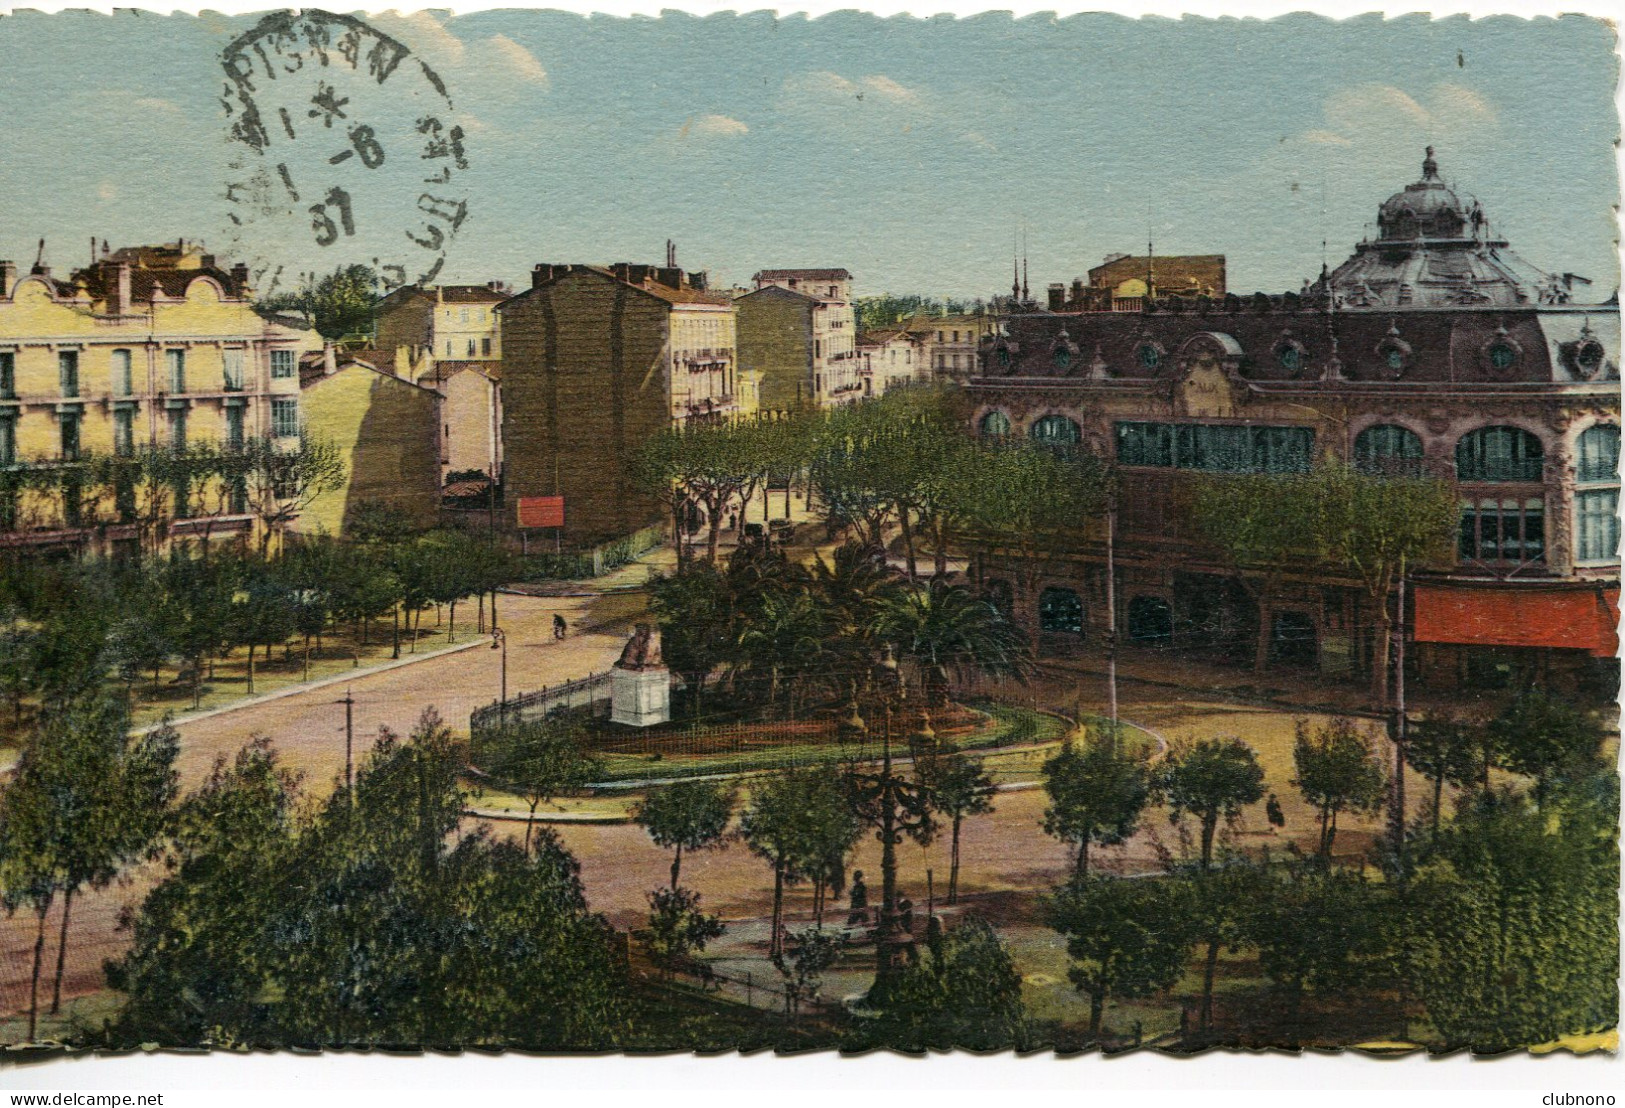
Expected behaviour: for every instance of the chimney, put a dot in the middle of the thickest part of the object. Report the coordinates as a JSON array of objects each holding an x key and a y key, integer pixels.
[
  {"x": 239, "y": 279},
  {"x": 700, "y": 280},
  {"x": 622, "y": 270},
  {"x": 8, "y": 277},
  {"x": 670, "y": 276},
  {"x": 1057, "y": 297},
  {"x": 1077, "y": 292},
  {"x": 121, "y": 288},
  {"x": 330, "y": 361},
  {"x": 540, "y": 275},
  {"x": 207, "y": 261}
]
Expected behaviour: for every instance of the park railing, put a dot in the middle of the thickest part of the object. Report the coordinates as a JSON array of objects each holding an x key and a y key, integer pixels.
[{"x": 585, "y": 692}]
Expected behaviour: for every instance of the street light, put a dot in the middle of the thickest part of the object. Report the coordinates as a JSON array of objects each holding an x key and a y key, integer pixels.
[{"x": 499, "y": 641}]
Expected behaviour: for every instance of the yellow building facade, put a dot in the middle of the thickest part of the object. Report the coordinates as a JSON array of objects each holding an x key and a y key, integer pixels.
[{"x": 148, "y": 347}]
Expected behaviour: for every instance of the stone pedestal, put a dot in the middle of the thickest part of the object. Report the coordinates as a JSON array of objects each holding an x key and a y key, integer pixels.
[{"x": 640, "y": 697}]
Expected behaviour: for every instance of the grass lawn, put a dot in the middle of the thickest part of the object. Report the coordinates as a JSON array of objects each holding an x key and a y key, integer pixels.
[{"x": 1005, "y": 726}]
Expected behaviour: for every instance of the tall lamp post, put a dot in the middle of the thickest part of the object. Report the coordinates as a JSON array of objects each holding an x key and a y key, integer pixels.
[
  {"x": 499, "y": 641},
  {"x": 897, "y": 806}
]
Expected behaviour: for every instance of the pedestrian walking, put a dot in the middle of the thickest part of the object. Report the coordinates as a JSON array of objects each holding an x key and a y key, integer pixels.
[{"x": 558, "y": 626}]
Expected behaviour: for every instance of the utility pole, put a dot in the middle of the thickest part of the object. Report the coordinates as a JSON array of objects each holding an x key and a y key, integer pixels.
[
  {"x": 349, "y": 744},
  {"x": 1111, "y": 607},
  {"x": 1399, "y": 720}
]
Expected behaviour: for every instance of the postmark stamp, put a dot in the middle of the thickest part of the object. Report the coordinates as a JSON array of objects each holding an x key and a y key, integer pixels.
[{"x": 345, "y": 148}]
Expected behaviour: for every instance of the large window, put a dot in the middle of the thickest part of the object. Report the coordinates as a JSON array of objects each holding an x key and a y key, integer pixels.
[
  {"x": 995, "y": 424},
  {"x": 123, "y": 373},
  {"x": 177, "y": 428},
  {"x": 124, "y": 432},
  {"x": 234, "y": 428},
  {"x": 281, "y": 363},
  {"x": 8, "y": 375},
  {"x": 8, "y": 440},
  {"x": 70, "y": 436},
  {"x": 1388, "y": 450},
  {"x": 284, "y": 418},
  {"x": 177, "y": 369},
  {"x": 1499, "y": 454},
  {"x": 67, "y": 365},
  {"x": 1060, "y": 611},
  {"x": 1057, "y": 430},
  {"x": 1596, "y": 499},
  {"x": 1506, "y": 530},
  {"x": 232, "y": 364},
  {"x": 1216, "y": 448}
]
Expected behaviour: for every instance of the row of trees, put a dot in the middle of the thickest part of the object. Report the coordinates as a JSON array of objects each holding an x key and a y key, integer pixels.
[
  {"x": 1504, "y": 931},
  {"x": 63, "y": 625}
]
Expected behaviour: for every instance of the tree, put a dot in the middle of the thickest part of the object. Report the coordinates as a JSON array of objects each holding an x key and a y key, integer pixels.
[
  {"x": 336, "y": 305},
  {"x": 694, "y": 607},
  {"x": 86, "y": 801},
  {"x": 1259, "y": 522},
  {"x": 280, "y": 483},
  {"x": 947, "y": 630},
  {"x": 1126, "y": 938},
  {"x": 1223, "y": 900},
  {"x": 259, "y": 615},
  {"x": 1540, "y": 736},
  {"x": 1321, "y": 929},
  {"x": 538, "y": 759},
  {"x": 799, "y": 822},
  {"x": 1213, "y": 779},
  {"x": 1337, "y": 772},
  {"x": 964, "y": 991},
  {"x": 810, "y": 952},
  {"x": 399, "y": 930},
  {"x": 1096, "y": 795},
  {"x": 688, "y": 815},
  {"x": 1032, "y": 501},
  {"x": 1445, "y": 749},
  {"x": 1379, "y": 528},
  {"x": 960, "y": 787},
  {"x": 1516, "y": 921},
  {"x": 705, "y": 463},
  {"x": 17, "y": 647},
  {"x": 197, "y": 968},
  {"x": 677, "y": 927}
]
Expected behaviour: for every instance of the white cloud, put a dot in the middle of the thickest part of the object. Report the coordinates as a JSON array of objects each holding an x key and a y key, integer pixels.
[
  {"x": 888, "y": 89},
  {"x": 517, "y": 60},
  {"x": 827, "y": 85},
  {"x": 711, "y": 126},
  {"x": 1363, "y": 115}
]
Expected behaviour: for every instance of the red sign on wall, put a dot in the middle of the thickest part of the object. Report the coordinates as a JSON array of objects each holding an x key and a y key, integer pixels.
[{"x": 541, "y": 511}]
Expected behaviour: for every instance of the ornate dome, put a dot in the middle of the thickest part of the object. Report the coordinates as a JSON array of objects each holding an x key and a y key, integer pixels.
[
  {"x": 1427, "y": 209},
  {"x": 1433, "y": 251}
]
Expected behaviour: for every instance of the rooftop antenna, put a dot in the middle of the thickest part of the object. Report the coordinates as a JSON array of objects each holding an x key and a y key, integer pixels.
[
  {"x": 1025, "y": 292},
  {"x": 1150, "y": 261}
]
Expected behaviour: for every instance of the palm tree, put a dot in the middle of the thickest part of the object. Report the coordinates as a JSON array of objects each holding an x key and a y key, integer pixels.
[
  {"x": 782, "y": 642},
  {"x": 854, "y": 588},
  {"x": 949, "y": 631}
]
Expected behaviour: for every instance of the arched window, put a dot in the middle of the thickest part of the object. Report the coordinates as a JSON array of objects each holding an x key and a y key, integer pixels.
[
  {"x": 1499, "y": 454},
  {"x": 1060, "y": 611},
  {"x": 1388, "y": 450},
  {"x": 1598, "y": 455},
  {"x": 1062, "y": 357},
  {"x": 1057, "y": 430},
  {"x": 995, "y": 423},
  {"x": 1150, "y": 620},
  {"x": 1596, "y": 499}
]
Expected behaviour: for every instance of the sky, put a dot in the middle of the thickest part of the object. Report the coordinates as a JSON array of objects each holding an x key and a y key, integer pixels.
[{"x": 915, "y": 153}]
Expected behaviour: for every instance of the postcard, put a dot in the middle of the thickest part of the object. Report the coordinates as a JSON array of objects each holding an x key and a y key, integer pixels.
[{"x": 527, "y": 531}]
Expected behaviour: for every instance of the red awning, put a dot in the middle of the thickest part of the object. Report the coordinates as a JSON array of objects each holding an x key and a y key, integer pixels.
[{"x": 1569, "y": 619}]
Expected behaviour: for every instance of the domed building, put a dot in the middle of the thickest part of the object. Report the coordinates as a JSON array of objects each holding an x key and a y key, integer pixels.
[{"x": 1432, "y": 349}]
